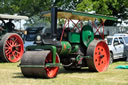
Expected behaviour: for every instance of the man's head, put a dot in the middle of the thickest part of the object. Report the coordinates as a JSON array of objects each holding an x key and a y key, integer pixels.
[{"x": 10, "y": 20}]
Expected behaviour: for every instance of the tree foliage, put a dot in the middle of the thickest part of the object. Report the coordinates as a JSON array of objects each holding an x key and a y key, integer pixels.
[
  {"x": 34, "y": 7},
  {"x": 116, "y": 8},
  {"x": 24, "y": 7}
]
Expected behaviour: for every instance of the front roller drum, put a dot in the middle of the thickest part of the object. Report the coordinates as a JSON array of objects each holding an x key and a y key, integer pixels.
[
  {"x": 99, "y": 56},
  {"x": 11, "y": 48},
  {"x": 33, "y": 64}
]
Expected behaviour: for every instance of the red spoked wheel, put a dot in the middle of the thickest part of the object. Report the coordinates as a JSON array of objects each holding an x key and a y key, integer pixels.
[
  {"x": 51, "y": 72},
  {"x": 99, "y": 56},
  {"x": 12, "y": 47}
]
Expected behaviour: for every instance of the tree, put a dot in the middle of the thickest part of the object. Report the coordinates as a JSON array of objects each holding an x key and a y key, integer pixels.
[
  {"x": 34, "y": 7},
  {"x": 117, "y": 8},
  {"x": 24, "y": 7},
  {"x": 67, "y": 4}
]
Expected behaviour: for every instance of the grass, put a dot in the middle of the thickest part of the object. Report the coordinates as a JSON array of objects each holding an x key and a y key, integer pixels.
[{"x": 10, "y": 74}]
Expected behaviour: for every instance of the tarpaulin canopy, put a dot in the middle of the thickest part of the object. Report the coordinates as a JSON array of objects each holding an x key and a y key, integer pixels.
[
  {"x": 78, "y": 15},
  {"x": 122, "y": 67},
  {"x": 5, "y": 16}
]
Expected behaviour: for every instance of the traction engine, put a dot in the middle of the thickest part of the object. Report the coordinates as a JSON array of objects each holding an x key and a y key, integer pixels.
[
  {"x": 11, "y": 43},
  {"x": 72, "y": 50}
]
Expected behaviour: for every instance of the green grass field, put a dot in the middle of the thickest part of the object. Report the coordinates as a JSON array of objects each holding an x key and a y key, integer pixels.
[{"x": 10, "y": 74}]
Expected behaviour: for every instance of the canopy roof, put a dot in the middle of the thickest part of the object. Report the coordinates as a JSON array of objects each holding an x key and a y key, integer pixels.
[
  {"x": 5, "y": 16},
  {"x": 78, "y": 15}
]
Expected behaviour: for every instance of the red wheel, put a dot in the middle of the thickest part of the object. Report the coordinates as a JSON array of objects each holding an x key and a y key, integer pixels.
[
  {"x": 51, "y": 71},
  {"x": 99, "y": 56},
  {"x": 12, "y": 47}
]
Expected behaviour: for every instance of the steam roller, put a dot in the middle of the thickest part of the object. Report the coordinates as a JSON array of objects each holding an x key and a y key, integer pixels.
[{"x": 71, "y": 49}]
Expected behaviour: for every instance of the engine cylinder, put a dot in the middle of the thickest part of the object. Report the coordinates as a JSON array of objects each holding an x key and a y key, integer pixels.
[{"x": 66, "y": 48}]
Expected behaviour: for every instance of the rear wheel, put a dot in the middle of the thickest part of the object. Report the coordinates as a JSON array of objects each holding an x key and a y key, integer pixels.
[
  {"x": 99, "y": 56},
  {"x": 11, "y": 47}
]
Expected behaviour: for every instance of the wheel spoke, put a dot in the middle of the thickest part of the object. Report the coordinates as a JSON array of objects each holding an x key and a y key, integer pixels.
[
  {"x": 6, "y": 50},
  {"x": 13, "y": 54},
  {"x": 18, "y": 45},
  {"x": 8, "y": 43},
  {"x": 12, "y": 42},
  {"x": 8, "y": 53},
  {"x": 9, "y": 57},
  {"x": 15, "y": 40},
  {"x": 17, "y": 52}
]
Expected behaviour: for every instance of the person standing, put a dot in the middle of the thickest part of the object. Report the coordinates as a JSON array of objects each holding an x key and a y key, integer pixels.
[{"x": 10, "y": 26}]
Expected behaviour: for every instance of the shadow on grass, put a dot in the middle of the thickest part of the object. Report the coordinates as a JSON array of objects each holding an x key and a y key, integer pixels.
[
  {"x": 120, "y": 60},
  {"x": 21, "y": 76},
  {"x": 18, "y": 75},
  {"x": 64, "y": 71},
  {"x": 61, "y": 71}
]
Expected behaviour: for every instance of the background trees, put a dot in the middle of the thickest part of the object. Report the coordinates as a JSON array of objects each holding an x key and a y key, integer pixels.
[
  {"x": 34, "y": 7},
  {"x": 117, "y": 8}
]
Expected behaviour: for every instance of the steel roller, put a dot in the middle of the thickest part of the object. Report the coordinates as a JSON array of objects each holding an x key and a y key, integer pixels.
[{"x": 33, "y": 64}]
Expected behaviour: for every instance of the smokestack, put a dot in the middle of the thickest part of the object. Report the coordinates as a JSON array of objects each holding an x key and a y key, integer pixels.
[{"x": 54, "y": 22}]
